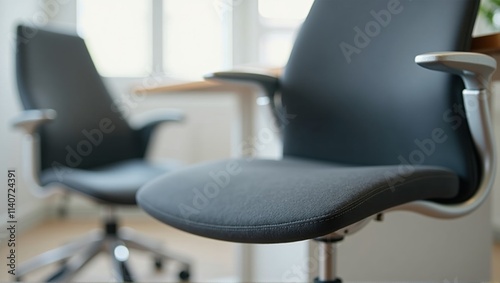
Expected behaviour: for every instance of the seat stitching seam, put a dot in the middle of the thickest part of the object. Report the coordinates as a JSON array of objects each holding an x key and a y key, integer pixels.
[{"x": 311, "y": 220}]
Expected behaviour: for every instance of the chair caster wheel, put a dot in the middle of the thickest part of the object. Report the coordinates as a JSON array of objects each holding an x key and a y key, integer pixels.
[
  {"x": 184, "y": 275},
  {"x": 158, "y": 263}
]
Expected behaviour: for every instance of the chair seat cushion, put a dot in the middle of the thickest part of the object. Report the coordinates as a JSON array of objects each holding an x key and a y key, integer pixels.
[
  {"x": 275, "y": 201},
  {"x": 113, "y": 184}
]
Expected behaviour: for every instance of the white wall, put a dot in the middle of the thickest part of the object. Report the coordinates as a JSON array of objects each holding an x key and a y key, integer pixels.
[
  {"x": 12, "y": 13},
  {"x": 404, "y": 247}
]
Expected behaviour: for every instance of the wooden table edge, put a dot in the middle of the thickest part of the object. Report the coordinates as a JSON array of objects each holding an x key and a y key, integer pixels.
[{"x": 488, "y": 44}]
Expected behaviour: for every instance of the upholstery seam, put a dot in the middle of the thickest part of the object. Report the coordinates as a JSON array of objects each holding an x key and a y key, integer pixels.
[{"x": 311, "y": 220}]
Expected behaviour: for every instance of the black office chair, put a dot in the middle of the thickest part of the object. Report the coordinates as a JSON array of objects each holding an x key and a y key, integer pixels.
[
  {"x": 78, "y": 140},
  {"x": 371, "y": 132}
]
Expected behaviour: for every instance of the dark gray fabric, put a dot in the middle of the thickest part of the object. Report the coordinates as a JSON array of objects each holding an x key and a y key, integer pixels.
[
  {"x": 117, "y": 183},
  {"x": 269, "y": 201},
  {"x": 354, "y": 94},
  {"x": 55, "y": 71},
  {"x": 90, "y": 147}
]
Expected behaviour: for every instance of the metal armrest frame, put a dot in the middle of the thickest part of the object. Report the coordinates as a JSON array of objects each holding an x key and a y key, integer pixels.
[
  {"x": 268, "y": 82},
  {"x": 476, "y": 70},
  {"x": 29, "y": 121}
]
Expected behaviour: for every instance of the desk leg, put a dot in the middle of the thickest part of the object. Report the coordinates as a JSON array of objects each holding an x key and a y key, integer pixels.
[{"x": 247, "y": 108}]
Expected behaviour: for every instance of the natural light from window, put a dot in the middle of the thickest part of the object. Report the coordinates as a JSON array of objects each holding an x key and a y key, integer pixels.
[
  {"x": 191, "y": 37},
  {"x": 284, "y": 9},
  {"x": 118, "y": 35},
  {"x": 279, "y": 23},
  {"x": 194, "y": 37}
]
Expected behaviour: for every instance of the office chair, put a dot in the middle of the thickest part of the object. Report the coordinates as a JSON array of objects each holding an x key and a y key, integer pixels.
[
  {"x": 372, "y": 132},
  {"x": 79, "y": 140}
]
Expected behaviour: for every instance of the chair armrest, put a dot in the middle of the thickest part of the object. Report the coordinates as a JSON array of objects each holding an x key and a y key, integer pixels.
[
  {"x": 145, "y": 124},
  {"x": 475, "y": 69},
  {"x": 30, "y": 120},
  {"x": 268, "y": 82}
]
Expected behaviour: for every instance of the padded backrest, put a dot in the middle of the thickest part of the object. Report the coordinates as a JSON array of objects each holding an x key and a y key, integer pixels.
[
  {"x": 359, "y": 98},
  {"x": 55, "y": 71}
]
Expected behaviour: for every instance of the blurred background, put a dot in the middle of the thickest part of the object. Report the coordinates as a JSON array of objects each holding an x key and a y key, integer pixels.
[{"x": 152, "y": 43}]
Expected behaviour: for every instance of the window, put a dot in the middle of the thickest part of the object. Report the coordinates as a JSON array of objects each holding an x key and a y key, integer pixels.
[
  {"x": 279, "y": 22},
  {"x": 283, "y": 10},
  {"x": 118, "y": 35},
  {"x": 194, "y": 38},
  {"x": 130, "y": 38},
  {"x": 185, "y": 39}
]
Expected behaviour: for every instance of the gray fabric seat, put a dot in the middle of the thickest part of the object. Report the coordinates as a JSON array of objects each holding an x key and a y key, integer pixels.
[
  {"x": 117, "y": 183},
  {"x": 373, "y": 130},
  {"x": 275, "y": 201}
]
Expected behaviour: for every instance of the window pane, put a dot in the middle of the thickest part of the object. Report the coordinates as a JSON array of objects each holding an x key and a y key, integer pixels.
[
  {"x": 284, "y": 9},
  {"x": 275, "y": 48},
  {"x": 194, "y": 38},
  {"x": 118, "y": 35}
]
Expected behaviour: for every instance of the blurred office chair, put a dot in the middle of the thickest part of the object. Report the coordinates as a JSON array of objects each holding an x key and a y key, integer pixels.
[
  {"x": 78, "y": 140},
  {"x": 365, "y": 131}
]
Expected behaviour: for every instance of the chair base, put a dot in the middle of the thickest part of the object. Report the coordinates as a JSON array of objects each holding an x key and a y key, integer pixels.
[
  {"x": 336, "y": 280},
  {"x": 113, "y": 240}
]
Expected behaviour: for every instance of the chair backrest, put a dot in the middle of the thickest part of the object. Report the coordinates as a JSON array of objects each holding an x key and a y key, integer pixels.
[
  {"x": 359, "y": 98},
  {"x": 55, "y": 71}
]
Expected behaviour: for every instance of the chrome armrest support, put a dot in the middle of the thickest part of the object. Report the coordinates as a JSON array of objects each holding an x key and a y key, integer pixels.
[
  {"x": 475, "y": 69},
  {"x": 29, "y": 121}
]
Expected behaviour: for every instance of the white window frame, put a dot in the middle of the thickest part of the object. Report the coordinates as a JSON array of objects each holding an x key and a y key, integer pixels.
[
  {"x": 158, "y": 40},
  {"x": 249, "y": 28}
]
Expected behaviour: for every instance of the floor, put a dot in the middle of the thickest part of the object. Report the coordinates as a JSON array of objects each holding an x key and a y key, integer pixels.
[
  {"x": 496, "y": 264},
  {"x": 213, "y": 260}
]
